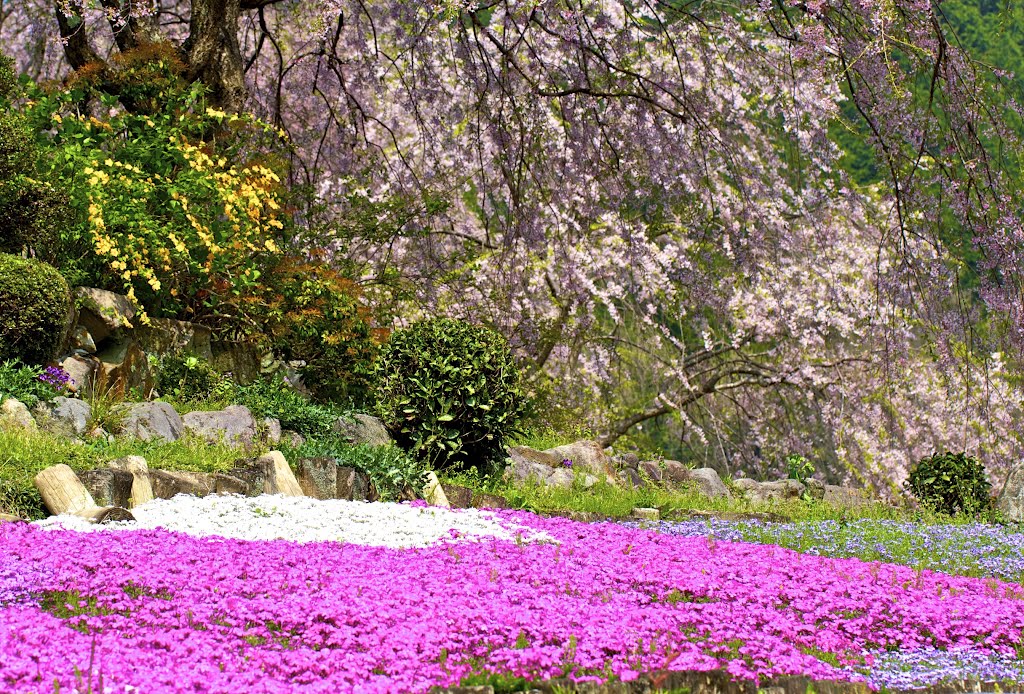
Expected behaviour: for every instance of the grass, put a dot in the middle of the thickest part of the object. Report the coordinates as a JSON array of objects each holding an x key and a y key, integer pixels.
[
  {"x": 24, "y": 454},
  {"x": 616, "y": 502}
]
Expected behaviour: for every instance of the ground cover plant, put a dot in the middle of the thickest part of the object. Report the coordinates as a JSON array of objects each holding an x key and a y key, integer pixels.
[{"x": 597, "y": 601}]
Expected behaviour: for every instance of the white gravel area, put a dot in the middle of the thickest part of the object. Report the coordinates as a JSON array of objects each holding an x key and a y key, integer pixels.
[{"x": 305, "y": 519}]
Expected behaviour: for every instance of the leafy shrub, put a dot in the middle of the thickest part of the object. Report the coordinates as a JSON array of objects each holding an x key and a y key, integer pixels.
[
  {"x": 35, "y": 303},
  {"x": 320, "y": 320},
  {"x": 951, "y": 483},
  {"x": 449, "y": 392},
  {"x": 295, "y": 412},
  {"x": 798, "y": 467},
  {"x": 32, "y": 384},
  {"x": 389, "y": 467},
  {"x": 187, "y": 378}
]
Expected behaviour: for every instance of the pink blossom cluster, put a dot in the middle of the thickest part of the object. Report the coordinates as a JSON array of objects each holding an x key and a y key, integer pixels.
[{"x": 156, "y": 611}]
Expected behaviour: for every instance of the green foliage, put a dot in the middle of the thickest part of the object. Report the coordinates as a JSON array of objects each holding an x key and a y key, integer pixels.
[
  {"x": 799, "y": 467},
  {"x": 29, "y": 384},
  {"x": 188, "y": 378},
  {"x": 266, "y": 398},
  {"x": 318, "y": 318},
  {"x": 35, "y": 303},
  {"x": 389, "y": 468},
  {"x": 450, "y": 393},
  {"x": 180, "y": 205},
  {"x": 951, "y": 483},
  {"x": 32, "y": 212}
]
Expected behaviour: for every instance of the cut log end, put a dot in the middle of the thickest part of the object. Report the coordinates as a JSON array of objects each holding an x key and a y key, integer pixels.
[{"x": 106, "y": 514}]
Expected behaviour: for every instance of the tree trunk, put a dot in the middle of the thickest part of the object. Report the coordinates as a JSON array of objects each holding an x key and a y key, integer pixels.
[{"x": 214, "y": 55}]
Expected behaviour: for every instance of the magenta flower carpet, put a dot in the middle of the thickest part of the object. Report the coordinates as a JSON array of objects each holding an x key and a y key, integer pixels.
[{"x": 157, "y": 611}]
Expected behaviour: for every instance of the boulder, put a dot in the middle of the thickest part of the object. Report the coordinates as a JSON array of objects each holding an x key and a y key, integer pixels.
[
  {"x": 147, "y": 421},
  {"x": 626, "y": 461},
  {"x": 647, "y": 514},
  {"x": 651, "y": 469},
  {"x": 675, "y": 473},
  {"x": 82, "y": 340},
  {"x": 292, "y": 438},
  {"x": 526, "y": 464},
  {"x": 562, "y": 478},
  {"x": 168, "y": 336},
  {"x": 765, "y": 492},
  {"x": 815, "y": 488},
  {"x": 229, "y": 484},
  {"x": 14, "y": 415},
  {"x": 272, "y": 430},
  {"x": 82, "y": 369},
  {"x": 433, "y": 494},
  {"x": 318, "y": 477},
  {"x": 142, "y": 488},
  {"x": 362, "y": 428},
  {"x": 66, "y": 417},
  {"x": 589, "y": 481},
  {"x": 253, "y": 474},
  {"x": 353, "y": 485},
  {"x": 283, "y": 480},
  {"x": 240, "y": 359},
  {"x": 124, "y": 369},
  {"x": 631, "y": 479},
  {"x": 233, "y": 425},
  {"x": 844, "y": 497},
  {"x": 1010, "y": 502},
  {"x": 708, "y": 482},
  {"x": 169, "y": 483},
  {"x": 588, "y": 457},
  {"x": 458, "y": 497},
  {"x": 109, "y": 486},
  {"x": 102, "y": 313}
]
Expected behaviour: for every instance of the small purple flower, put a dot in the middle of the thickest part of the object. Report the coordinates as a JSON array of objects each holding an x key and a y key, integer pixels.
[
  {"x": 56, "y": 377},
  {"x": 567, "y": 462}
]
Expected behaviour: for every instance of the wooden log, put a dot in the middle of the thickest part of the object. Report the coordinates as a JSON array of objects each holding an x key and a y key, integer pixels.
[
  {"x": 62, "y": 491},
  {"x": 105, "y": 514},
  {"x": 433, "y": 493},
  {"x": 8, "y": 518}
]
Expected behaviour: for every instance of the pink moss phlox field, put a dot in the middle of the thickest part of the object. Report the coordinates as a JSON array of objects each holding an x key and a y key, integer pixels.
[{"x": 165, "y": 612}]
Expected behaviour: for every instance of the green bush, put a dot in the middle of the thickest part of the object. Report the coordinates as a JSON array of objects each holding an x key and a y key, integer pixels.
[
  {"x": 35, "y": 303},
  {"x": 187, "y": 378},
  {"x": 450, "y": 393},
  {"x": 951, "y": 483},
  {"x": 295, "y": 412}
]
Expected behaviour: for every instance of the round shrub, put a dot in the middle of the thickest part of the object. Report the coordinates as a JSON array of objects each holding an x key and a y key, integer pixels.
[
  {"x": 450, "y": 393},
  {"x": 35, "y": 304},
  {"x": 187, "y": 377},
  {"x": 951, "y": 483}
]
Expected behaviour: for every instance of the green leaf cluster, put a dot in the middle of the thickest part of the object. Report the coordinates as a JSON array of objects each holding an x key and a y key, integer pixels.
[
  {"x": 35, "y": 306},
  {"x": 22, "y": 382},
  {"x": 951, "y": 483},
  {"x": 450, "y": 393},
  {"x": 274, "y": 398}
]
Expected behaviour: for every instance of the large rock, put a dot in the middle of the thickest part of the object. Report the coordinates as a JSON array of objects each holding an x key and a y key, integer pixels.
[
  {"x": 651, "y": 469},
  {"x": 272, "y": 470},
  {"x": 66, "y": 417},
  {"x": 271, "y": 430},
  {"x": 233, "y": 425},
  {"x": 147, "y": 421},
  {"x": 765, "y": 492},
  {"x": 14, "y": 415},
  {"x": 353, "y": 485},
  {"x": 104, "y": 314},
  {"x": 124, "y": 369},
  {"x": 142, "y": 488},
  {"x": 527, "y": 465},
  {"x": 169, "y": 483},
  {"x": 675, "y": 473},
  {"x": 562, "y": 478},
  {"x": 240, "y": 359},
  {"x": 362, "y": 428},
  {"x": 82, "y": 340},
  {"x": 82, "y": 370},
  {"x": 844, "y": 497},
  {"x": 318, "y": 477},
  {"x": 168, "y": 336},
  {"x": 109, "y": 486},
  {"x": 586, "y": 456},
  {"x": 708, "y": 482}
]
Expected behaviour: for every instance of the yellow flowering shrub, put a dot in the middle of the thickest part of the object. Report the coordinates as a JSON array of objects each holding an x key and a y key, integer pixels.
[{"x": 180, "y": 209}]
